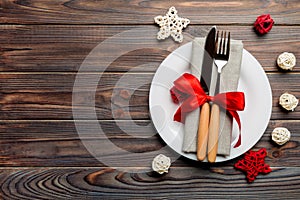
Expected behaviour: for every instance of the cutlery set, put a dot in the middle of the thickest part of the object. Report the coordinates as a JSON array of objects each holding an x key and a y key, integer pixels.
[{"x": 217, "y": 51}]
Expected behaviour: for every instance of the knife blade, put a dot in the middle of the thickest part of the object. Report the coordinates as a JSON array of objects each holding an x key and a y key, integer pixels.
[{"x": 207, "y": 66}]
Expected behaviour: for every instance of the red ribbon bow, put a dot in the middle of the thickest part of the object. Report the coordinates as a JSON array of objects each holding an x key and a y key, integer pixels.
[{"x": 187, "y": 89}]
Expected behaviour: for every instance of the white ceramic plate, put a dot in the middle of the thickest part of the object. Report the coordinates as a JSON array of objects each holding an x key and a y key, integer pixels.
[{"x": 254, "y": 119}]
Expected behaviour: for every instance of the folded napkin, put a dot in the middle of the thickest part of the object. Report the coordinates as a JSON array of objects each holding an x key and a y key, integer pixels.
[{"x": 229, "y": 82}]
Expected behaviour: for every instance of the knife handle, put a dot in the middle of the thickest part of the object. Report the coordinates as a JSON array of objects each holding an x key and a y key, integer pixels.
[
  {"x": 213, "y": 133},
  {"x": 203, "y": 131}
]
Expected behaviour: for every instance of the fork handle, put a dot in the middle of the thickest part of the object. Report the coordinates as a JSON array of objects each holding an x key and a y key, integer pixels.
[
  {"x": 213, "y": 133},
  {"x": 203, "y": 131}
]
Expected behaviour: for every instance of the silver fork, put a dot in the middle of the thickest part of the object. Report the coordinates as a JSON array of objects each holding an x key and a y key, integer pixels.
[{"x": 221, "y": 57}]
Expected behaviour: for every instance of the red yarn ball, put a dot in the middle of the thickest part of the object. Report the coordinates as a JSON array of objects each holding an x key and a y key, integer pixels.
[{"x": 263, "y": 24}]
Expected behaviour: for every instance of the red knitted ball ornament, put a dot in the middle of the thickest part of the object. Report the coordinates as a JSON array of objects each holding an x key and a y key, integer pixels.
[{"x": 263, "y": 24}]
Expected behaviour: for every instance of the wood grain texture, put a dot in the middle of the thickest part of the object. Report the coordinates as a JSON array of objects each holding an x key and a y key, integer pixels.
[
  {"x": 63, "y": 48},
  {"x": 56, "y": 143},
  {"x": 105, "y": 183},
  {"x": 142, "y": 11},
  {"x": 117, "y": 96},
  {"x": 42, "y": 46}
]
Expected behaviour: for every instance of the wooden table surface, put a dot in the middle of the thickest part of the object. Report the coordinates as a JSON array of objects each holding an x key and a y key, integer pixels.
[{"x": 42, "y": 46}]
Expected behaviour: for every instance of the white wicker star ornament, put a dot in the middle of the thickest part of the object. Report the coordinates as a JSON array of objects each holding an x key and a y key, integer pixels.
[{"x": 171, "y": 24}]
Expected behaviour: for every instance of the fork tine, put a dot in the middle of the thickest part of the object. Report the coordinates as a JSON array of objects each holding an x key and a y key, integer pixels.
[
  {"x": 220, "y": 43},
  {"x": 228, "y": 45},
  {"x": 224, "y": 43},
  {"x": 217, "y": 43}
]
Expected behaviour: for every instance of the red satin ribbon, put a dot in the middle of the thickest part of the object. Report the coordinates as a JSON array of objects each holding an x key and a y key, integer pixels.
[{"x": 187, "y": 89}]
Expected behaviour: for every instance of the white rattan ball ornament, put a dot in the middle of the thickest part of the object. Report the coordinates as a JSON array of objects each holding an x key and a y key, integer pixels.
[
  {"x": 161, "y": 164},
  {"x": 281, "y": 135},
  {"x": 288, "y": 101},
  {"x": 286, "y": 61}
]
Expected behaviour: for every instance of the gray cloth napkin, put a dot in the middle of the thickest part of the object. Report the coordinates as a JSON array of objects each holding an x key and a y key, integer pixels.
[{"x": 229, "y": 82}]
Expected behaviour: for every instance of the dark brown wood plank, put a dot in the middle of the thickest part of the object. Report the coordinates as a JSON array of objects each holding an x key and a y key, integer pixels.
[
  {"x": 143, "y": 12},
  {"x": 65, "y": 47},
  {"x": 42, "y": 46},
  {"x": 179, "y": 183},
  {"x": 57, "y": 143},
  {"x": 49, "y": 95}
]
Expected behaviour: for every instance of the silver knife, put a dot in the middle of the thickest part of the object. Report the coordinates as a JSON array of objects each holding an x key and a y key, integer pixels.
[{"x": 207, "y": 66}]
